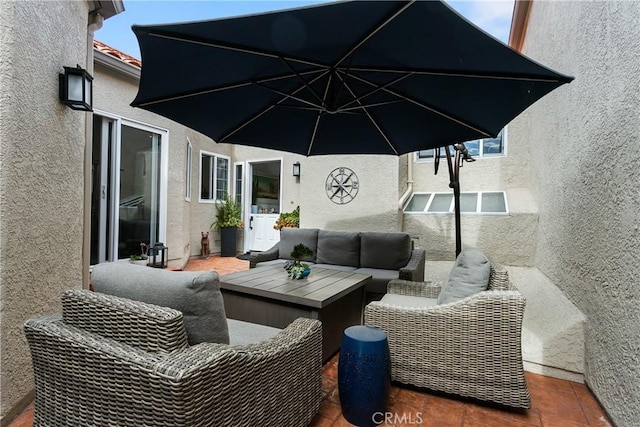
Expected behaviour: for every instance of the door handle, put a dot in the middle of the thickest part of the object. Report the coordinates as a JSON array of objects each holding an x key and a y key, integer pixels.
[{"x": 251, "y": 223}]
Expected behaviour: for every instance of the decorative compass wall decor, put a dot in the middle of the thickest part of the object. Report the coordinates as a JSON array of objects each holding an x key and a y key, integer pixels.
[{"x": 342, "y": 185}]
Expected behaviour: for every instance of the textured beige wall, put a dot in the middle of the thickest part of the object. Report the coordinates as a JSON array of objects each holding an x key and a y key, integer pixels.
[
  {"x": 373, "y": 209},
  {"x": 508, "y": 238},
  {"x": 584, "y": 141},
  {"x": 41, "y": 175}
]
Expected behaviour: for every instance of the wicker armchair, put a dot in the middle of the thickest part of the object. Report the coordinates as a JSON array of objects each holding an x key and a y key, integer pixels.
[
  {"x": 470, "y": 348},
  {"x": 110, "y": 361}
]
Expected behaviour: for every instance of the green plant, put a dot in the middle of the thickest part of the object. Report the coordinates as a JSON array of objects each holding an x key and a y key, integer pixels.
[
  {"x": 296, "y": 268},
  {"x": 228, "y": 213},
  {"x": 288, "y": 219}
]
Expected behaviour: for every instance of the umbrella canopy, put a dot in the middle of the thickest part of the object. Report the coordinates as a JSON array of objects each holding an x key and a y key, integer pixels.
[{"x": 380, "y": 77}]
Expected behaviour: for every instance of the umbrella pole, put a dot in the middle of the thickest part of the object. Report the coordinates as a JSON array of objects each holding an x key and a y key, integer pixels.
[{"x": 454, "y": 183}]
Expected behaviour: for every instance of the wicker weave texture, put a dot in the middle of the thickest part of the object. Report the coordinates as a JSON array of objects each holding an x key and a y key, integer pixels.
[
  {"x": 470, "y": 348},
  {"x": 86, "y": 379}
]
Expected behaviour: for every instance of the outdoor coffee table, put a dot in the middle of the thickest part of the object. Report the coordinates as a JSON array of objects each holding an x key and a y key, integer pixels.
[{"x": 265, "y": 295}]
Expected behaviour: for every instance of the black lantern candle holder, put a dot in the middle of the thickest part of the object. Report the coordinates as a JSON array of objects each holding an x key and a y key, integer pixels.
[{"x": 158, "y": 255}]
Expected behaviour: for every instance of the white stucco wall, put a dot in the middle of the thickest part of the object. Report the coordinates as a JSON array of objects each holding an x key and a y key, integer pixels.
[
  {"x": 584, "y": 140},
  {"x": 41, "y": 175}
]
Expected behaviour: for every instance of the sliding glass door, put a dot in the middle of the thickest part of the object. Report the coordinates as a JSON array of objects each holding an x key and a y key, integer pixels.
[{"x": 128, "y": 203}]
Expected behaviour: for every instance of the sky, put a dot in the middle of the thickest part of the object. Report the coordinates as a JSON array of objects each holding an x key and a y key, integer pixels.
[{"x": 493, "y": 16}]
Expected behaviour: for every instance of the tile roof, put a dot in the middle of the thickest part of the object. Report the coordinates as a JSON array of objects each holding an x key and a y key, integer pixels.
[{"x": 108, "y": 50}]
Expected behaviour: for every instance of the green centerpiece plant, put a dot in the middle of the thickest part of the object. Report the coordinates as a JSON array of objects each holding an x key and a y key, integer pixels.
[{"x": 296, "y": 268}]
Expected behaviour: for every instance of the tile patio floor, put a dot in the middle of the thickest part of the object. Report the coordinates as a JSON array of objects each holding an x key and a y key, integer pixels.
[{"x": 555, "y": 403}]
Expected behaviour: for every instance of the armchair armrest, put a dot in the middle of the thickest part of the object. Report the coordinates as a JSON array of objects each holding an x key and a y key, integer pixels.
[
  {"x": 428, "y": 289},
  {"x": 414, "y": 270},
  {"x": 268, "y": 255}
]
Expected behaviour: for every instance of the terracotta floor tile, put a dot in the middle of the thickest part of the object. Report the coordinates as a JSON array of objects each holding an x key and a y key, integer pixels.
[
  {"x": 442, "y": 412},
  {"x": 590, "y": 406},
  {"x": 478, "y": 416},
  {"x": 320, "y": 421},
  {"x": 330, "y": 410}
]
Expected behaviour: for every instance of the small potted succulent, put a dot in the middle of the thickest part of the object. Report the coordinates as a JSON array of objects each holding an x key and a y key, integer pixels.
[{"x": 296, "y": 268}]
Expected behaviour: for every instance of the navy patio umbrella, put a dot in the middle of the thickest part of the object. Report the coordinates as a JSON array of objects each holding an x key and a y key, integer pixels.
[{"x": 357, "y": 77}]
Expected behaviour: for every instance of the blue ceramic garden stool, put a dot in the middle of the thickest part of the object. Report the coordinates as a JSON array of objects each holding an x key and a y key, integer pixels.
[{"x": 364, "y": 375}]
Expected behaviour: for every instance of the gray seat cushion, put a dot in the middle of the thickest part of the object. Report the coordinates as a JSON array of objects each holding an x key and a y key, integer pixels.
[
  {"x": 409, "y": 301},
  {"x": 195, "y": 293},
  {"x": 335, "y": 267},
  {"x": 379, "y": 279},
  {"x": 290, "y": 237},
  {"x": 469, "y": 275},
  {"x": 339, "y": 248},
  {"x": 242, "y": 333},
  {"x": 389, "y": 251}
]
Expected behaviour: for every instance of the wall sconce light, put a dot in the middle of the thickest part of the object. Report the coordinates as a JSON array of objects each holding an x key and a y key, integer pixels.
[
  {"x": 76, "y": 88},
  {"x": 296, "y": 169}
]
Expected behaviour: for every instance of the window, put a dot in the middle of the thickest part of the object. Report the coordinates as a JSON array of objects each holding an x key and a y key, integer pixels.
[
  {"x": 214, "y": 176},
  {"x": 481, "y": 202},
  {"x": 237, "y": 186},
  {"x": 478, "y": 148},
  {"x": 187, "y": 171}
]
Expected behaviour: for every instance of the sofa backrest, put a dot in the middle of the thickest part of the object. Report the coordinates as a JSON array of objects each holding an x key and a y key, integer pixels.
[
  {"x": 338, "y": 248},
  {"x": 389, "y": 251},
  {"x": 290, "y": 237},
  {"x": 145, "y": 326},
  {"x": 194, "y": 293}
]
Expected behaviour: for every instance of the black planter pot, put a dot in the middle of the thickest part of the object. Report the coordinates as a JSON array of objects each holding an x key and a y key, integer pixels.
[{"x": 228, "y": 237}]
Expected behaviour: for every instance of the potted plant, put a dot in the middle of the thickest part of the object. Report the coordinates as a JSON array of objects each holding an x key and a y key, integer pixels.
[
  {"x": 296, "y": 268},
  {"x": 228, "y": 220},
  {"x": 288, "y": 219},
  {"x": 143, "y": 258}
]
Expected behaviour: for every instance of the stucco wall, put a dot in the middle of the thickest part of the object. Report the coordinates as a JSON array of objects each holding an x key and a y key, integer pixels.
[
  {"x": 41, "y": 175},
  {"x": 584, "y": 141},
  {"x": 375, "y": 207},
  {"x": 508, "y": 238}
]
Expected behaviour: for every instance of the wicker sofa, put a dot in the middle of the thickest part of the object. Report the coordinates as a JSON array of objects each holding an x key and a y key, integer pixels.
[
  {"x": 110, "y": 361},
  {"x": 383, "y": 256},
  {"x": 467, "y": 342}
]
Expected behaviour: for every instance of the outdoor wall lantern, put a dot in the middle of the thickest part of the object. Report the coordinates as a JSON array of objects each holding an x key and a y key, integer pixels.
[
  {"x": 296, "y": 169},
  {"x": 76, "y": 88},
  {"x": 158, "y": 255}
]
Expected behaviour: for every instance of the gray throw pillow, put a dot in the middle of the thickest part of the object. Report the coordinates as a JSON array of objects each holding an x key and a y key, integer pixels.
[
  {"x": 339, "y": 248},
  {"x": 290, "y": 237},
  {"x": 389, "y": 251},
  {"x": 469, "y": 275},
  {"x": 195, "y": 293}
]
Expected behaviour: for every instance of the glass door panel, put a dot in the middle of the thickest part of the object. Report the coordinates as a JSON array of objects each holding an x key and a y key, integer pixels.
[{"x": 138, "y": 208}]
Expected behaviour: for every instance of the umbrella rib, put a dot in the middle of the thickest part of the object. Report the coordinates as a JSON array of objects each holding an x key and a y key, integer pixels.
[
  {"x": 315, "y": 127},
  {"x": 456, "y": 73},
  {"x": 425, "y": 106},
  {"x": 221, "y": 88},
  {"x": 228, "y": 46},
  {"x": 377, "y": 89},
  {"x": 308, "y": 86},
  {"x": 266, "y": 110},
  {"x": 377, "y": 28},
  {"x": 372, "y": 119}
]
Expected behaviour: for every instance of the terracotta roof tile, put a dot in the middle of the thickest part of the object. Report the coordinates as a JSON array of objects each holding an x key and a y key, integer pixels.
[{"x": 108, "y": 50}]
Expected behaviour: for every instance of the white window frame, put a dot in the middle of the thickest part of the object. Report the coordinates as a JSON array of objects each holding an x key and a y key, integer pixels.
[
  {"x": 213, "y": 179},
  {"x": 451, "y": 210},
  {"x": 237, "y": 165},
  {"x": 188, "y": 169},
  {"x": 481, "y": 155}
]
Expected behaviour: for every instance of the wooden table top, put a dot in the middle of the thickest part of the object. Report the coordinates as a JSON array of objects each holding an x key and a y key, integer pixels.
[{"x": 322, "y": 287}]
